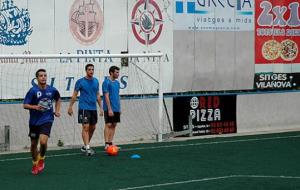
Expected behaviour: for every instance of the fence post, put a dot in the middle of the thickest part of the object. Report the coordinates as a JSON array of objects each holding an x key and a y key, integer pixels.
[
  {"x": 6, "y": 136},
  {"x": 190, "y": 126}
]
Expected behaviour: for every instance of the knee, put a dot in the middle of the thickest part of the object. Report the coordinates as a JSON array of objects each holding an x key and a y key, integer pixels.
[
  {"x": 43, "y": 144},
  {"x": 85, "y": 128}
]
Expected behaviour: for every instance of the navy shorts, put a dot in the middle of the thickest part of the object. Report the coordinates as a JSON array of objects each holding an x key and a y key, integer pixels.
[
  {"x": 36, "y": 130},
  {"x": 87, "y": 117},
  {"x": 113, "y": 119}
]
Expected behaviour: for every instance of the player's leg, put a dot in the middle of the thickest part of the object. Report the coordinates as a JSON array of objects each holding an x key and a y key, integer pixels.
[
  {"x": 91, "y": 129},
  {"x": 34, "y": 137},
  {"x": 43, "y": 144},
  {"x": 45, "y": 131},
  {"x": 93, "y": 119},
  {"x": 34, "y": 155},
  {"x": 43, "y": 149},
  {"x": 89, "y": 150},
  {"x": 87, "y": 120},
  {"x": 108, "y": 124},
  {"x": 106, "y": 135},
  {"x": 34, "y": 150},
  {"x": 83, "y": 120},
  {"x": 85, "y": 134},
  {"x": 111, "y": 133},
  {"x": 112, "y": 129}
]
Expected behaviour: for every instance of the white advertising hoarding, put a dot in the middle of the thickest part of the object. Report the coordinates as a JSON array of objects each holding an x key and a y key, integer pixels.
[
  {"x": 84, "y": 27},
  {"x": 219, "y": 15}
]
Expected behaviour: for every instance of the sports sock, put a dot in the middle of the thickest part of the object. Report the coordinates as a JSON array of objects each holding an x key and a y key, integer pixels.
[
  {"x": 41, "y": 157},
  {"x": 35, "y": 162}
]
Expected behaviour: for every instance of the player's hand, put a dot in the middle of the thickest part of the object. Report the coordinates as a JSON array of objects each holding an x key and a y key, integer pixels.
[
  {"x": 38, "y": 107},
  {"x": 70, "y": 111},
  {"x": 110, "y": 113},
  {"x": 101, "y": 112},
  {"x": 57, "y": 114}
]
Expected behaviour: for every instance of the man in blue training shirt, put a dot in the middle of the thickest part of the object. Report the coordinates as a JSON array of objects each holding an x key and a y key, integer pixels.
[
  {"x": 38, "y": 101},
  {"x": 111, "y": 104},
  {"x": 88, "y": 87}
]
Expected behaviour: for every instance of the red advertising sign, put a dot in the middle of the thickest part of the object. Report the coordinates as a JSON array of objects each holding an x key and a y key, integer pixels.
[{"x": 277, "y": 31}]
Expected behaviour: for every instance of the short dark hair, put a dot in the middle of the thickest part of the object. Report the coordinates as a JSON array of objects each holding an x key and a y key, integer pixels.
[
  {"x": 37, "y": 72},
  {"x": 88, "y": 65},
  {"x": 112, "y": 69}
]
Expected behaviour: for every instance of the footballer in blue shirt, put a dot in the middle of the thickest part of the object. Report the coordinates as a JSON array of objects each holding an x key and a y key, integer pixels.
[
  {"x": 111, "y": 104},
  {"x": 88, "y": 87},
  {"x": 39, "y": 101}
]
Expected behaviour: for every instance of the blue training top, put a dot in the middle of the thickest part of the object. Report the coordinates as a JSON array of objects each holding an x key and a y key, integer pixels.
[
  {"x": 113, "y": 88},
  {"x": 44, "y": 98},
  {"x": 88, "y": 93}
]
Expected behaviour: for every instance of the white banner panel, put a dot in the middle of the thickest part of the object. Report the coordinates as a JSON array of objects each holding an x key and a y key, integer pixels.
[
  {"x": 84, "y": 27},
  {"x": 220, "y": 15}
]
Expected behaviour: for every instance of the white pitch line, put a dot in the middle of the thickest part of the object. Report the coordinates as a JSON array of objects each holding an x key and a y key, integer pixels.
[
  {"x": 169, "y": 146},
  {"x": 211, "y": 143},
  {"x": 50, "y": 156},
  {"x": 209, "y": 179}
]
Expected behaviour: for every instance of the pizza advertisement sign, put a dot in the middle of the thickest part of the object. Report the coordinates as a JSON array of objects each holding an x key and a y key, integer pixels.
[
  {"x": 209, "y": 114},
  {"x": 277, "y": 32}
]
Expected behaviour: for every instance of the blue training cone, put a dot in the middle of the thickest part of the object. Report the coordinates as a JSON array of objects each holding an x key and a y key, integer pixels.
[{"x": 135, "y": 156}]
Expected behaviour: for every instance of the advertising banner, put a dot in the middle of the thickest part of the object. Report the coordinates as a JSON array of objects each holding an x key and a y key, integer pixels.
[
  {"x": 209, "y": 114},
  {"x": 277, "y": 32},
  {"x": 207, "y": 15},
  {"x": 85, "y": 27},
  {"x": 277, "y": 81},
  {"x": 277, "y": 40}
]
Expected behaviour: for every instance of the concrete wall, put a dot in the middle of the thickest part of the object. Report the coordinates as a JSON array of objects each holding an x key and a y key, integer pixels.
[
  {"x": 268, "y": 112},
  {"x": 215, "y": 60}
]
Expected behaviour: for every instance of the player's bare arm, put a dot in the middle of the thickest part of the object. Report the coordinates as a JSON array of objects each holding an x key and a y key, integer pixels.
[
  {"x": 99, "y": 100},
  {"x": 107, "y": 100},
  {"x": 73, "y": 100},
  {"x": 57, "y": 108},
  {"x": 32, "y": 107}
]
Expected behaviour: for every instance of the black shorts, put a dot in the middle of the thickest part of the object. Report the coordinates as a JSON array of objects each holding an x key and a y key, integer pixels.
[
  {"x": 87, "y": 117},
  {"x": 113, "y": 119},
  {"x": 36, "y": 130}
]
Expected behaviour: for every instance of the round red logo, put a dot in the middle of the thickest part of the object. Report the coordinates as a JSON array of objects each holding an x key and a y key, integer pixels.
[
  {"x": 86, "y": 21},
  {"x": 146, "y": 21}
]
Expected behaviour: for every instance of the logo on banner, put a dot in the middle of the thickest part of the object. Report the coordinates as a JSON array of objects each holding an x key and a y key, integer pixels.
[
  {"x": 194, "y": 103},
  {"x": 146, "y": 21},
  {"x": 206, "y": 6},
  {"x": 86, "y": 21},
  {"x": 222, "y": 15},
  {"x": 14, "y": 24}
]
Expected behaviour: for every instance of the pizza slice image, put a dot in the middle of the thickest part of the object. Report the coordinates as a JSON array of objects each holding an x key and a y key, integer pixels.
[
  {"x": 289, "y": 50},
  {"x": 271, "y": 50}
]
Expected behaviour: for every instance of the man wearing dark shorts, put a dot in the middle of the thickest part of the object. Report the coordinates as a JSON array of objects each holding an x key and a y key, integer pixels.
[
  {"x": 38, "y": 101},
  {"x": 111, "y": 104},
  {"x": 88, "y": 87}
]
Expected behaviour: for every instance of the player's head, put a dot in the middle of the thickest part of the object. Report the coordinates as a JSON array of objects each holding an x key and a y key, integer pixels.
[
  {"x": 114, "y": 72},
  {"x": 41, "y": 76},
  {"x": 89, "y": 69}
]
